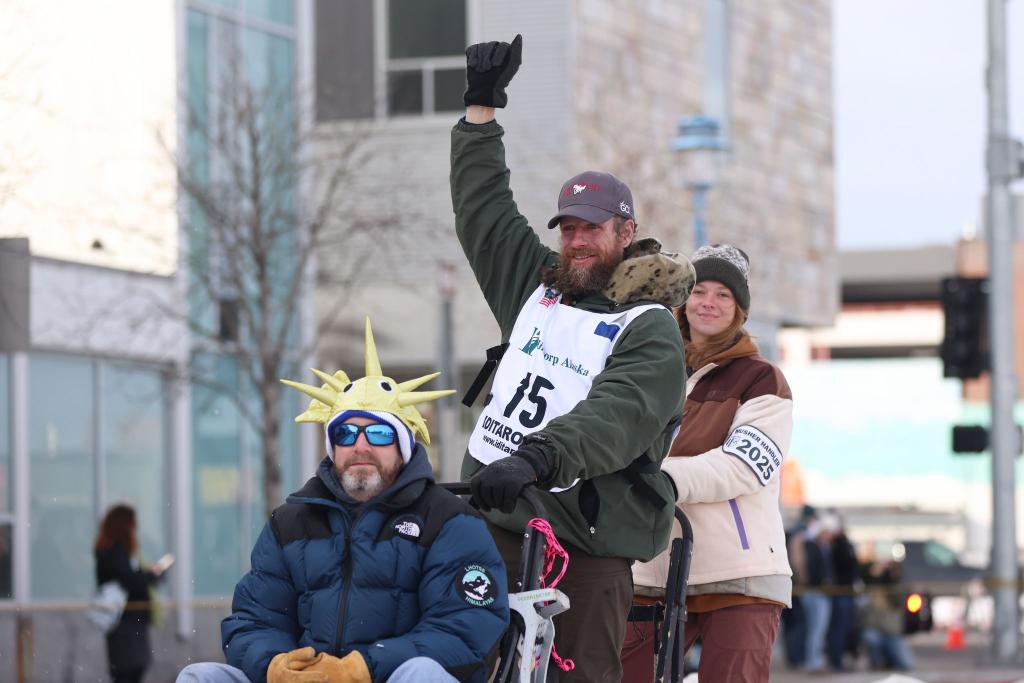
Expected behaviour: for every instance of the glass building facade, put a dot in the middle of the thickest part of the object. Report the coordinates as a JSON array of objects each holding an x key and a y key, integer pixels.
[
  {"x": 97, "y": 435},
  {"x": 235, "y": 47},
  {"x": 99, "y": 429}
]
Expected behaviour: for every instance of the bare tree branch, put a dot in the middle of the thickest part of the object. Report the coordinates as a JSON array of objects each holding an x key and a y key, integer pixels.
[{"x": 252, "y": 234}]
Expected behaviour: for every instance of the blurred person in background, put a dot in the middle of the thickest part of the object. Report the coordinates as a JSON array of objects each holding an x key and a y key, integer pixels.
[
  {"x": 794, "y": 622},
  {"x": 725, "y": 463},
  {"x": 817, "y": 595},
  {"x": 882, "y": 634},
  {"x": 846, "y": 573},
  {"x": 116, "y": 551}
]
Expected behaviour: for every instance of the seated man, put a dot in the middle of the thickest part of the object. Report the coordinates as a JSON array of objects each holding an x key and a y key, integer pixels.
[{"x": 370, "y": 572}]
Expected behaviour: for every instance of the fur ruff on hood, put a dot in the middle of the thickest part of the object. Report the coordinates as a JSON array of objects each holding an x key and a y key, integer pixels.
[{"x": 648, "y": 273}]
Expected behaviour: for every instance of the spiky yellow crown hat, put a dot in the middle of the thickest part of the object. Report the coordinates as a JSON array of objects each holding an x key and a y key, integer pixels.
[{"x": 375, "y": 395}]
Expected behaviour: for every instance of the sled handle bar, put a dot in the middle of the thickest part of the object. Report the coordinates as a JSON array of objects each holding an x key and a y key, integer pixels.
[{"x": 684, "y": 523}]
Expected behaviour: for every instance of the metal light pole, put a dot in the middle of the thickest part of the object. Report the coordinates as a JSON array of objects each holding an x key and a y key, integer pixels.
[
  {"x": 1003, "y": 165},
  {"x": 702, "y": 150},
  {"x": 447, "y": 453},
  {"x": 700, "y": 192}
]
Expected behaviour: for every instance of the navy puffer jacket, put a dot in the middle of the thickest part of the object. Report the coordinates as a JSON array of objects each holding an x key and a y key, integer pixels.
[{"x": 413, "y": 572}]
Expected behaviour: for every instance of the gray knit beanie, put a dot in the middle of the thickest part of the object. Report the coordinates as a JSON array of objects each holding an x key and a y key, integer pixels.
[{"x": 726, "y": 264}]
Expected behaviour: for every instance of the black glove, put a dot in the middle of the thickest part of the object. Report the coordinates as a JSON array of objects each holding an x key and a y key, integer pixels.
[
  {"x": 489, "y": 68},
  {"x": 499, "y": 484}
]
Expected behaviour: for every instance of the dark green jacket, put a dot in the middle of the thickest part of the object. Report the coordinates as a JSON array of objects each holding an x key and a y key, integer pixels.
[{"x": 634, "y": 403}]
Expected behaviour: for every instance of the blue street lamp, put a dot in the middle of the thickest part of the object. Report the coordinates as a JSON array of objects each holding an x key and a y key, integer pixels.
[{"x": 702, "y": 149}]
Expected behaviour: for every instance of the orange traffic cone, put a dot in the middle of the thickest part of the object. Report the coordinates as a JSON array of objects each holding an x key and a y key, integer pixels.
[{"x": 955, "y": 637}]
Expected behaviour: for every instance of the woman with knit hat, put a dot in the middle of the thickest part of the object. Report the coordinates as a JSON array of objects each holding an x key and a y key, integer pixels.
[{"x": 725, "y": 463}]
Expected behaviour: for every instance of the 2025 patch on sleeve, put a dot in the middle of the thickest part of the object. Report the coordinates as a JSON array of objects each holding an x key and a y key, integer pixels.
[{"x": 753, "y": 447}]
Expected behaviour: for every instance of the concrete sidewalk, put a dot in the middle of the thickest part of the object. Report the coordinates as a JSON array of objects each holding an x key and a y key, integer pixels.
[{"x": 934, "y": 664}]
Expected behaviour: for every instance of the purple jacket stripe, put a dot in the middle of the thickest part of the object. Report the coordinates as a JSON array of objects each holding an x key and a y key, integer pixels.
[{"x": 739, "y": 523}]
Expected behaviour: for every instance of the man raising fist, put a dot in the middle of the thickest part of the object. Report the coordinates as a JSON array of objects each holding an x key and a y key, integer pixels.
[{"x": 586, "y": 398}]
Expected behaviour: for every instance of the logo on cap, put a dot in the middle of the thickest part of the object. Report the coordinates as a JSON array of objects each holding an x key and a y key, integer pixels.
[
  {"x": 593, "y": 197},
  {"x": 578, "y": 188}
]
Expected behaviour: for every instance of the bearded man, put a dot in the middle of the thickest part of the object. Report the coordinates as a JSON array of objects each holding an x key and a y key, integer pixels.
[
  {"x": 587, "y": 395},
  {"x": 370, "y": 573}
]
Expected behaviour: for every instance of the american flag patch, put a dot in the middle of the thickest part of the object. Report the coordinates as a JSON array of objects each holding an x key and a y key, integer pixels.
[{"x": 550, "y": 297}]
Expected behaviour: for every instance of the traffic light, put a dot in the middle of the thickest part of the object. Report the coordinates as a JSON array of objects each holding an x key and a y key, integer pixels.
[
  {"x": 964, "y": 348},
  {"x": 975, "y": 439},
  {"x": 970, "y": 438}
]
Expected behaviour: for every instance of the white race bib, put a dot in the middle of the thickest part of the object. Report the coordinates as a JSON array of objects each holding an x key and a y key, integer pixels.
[
  {"x": 553, "y": 356},
  {"x": 756, "y": 450}
]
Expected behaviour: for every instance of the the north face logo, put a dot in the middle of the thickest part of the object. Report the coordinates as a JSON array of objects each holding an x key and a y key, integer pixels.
[
  {"x": 407, "y": 526},
  {"x": 408, "y": 529}
]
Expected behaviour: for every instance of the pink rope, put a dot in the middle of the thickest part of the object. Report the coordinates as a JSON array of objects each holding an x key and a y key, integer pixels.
[{"x": 552, "y": 549}]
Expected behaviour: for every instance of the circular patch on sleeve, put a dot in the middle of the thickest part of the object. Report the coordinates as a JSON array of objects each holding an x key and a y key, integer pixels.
[{"x": 475, "y": 586}]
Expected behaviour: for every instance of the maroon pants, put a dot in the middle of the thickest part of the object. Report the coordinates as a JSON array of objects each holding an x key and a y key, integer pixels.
[
  {"x": 600, "y": 591},
  {"x": 736, "y": 645}
]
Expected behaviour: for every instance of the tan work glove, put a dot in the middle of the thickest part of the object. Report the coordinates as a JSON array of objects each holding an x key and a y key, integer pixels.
[
  {"x": 295, "y": 667},
  {"x": 349, "y": 669}
]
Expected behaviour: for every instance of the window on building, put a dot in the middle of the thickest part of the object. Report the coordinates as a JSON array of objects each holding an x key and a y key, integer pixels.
[
  {"x": 217, "y": 471},
  {"x": 418, "y": 70},
  {"x": 425, "y": 69},
  {"x": 62, "y": 495},
  {"x": 97, "y": 436},
  {"x": 135, "y": 441},
  {"x": 278, "y": 11},
  {"x": 228, "y": 511}
]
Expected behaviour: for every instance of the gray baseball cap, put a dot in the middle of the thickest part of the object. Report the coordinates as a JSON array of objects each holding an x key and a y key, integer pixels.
[{"x": 595, "y": 197}]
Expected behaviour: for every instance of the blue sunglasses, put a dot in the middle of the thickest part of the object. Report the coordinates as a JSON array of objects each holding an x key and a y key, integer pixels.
[{"x": 345, "y": 434}]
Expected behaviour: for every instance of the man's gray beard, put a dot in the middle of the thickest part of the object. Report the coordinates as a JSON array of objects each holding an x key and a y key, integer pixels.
[{"x": 364, "y": 486}]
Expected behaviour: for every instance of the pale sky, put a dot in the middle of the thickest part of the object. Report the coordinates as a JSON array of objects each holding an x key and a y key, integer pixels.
[{"x": 910, "y": 117}]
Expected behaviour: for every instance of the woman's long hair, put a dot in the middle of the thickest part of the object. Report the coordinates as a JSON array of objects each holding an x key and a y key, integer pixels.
[
  {"x": 118, "y": 528},
  {"x": 697, "y": 355}
]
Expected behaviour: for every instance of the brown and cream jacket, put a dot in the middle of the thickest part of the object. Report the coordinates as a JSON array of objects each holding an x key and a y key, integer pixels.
[{"x": 725, "y": 463}]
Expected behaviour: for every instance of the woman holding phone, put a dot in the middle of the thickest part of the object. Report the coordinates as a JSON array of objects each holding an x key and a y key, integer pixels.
[{"x": 116, "y": 551}]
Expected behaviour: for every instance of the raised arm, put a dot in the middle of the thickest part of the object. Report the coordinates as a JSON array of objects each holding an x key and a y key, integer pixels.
[{"x": 503, "y": 250}]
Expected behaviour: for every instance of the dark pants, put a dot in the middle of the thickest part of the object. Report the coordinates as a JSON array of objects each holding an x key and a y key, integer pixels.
[
  {"x": 736, "y": 645},
  {"x": 794, "y": 633},
  {"x": 844, "y": 613},
  {"x": 600, "y": 591}
]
